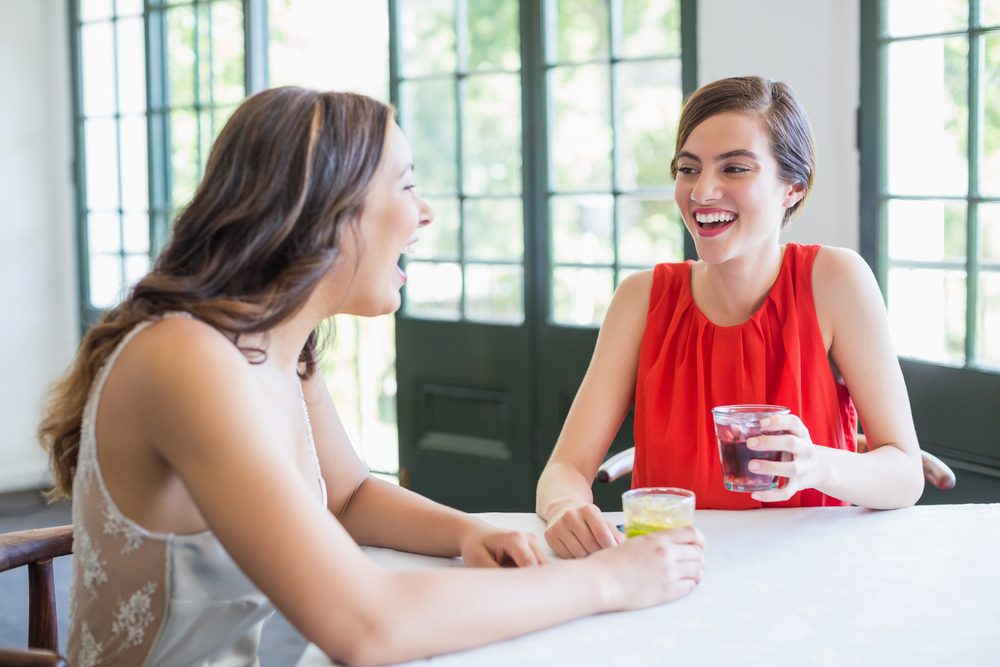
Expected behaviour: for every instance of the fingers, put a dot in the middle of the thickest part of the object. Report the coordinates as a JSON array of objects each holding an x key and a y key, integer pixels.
[
  {"x": 617, "y": 534},
  {"x": 517, "y": 549},
  {"x": 579, "y": 532},
  {"x": 686, "y": 535},
  {"x": 776, "y": 495},
  {"x": 790, "y": 423}
]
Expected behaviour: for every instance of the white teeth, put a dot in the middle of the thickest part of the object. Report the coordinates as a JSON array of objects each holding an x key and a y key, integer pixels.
[{"x": 706, "y": 218}]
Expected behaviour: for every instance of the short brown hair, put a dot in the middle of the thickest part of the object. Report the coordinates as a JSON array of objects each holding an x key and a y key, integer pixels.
[{"x": 776, "y": 104}]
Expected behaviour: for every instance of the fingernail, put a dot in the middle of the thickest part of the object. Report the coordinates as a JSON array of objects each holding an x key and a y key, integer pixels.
[
  {"x": 754, "y": 466},
  {"x": 752, "y": 443},
  {"x": 766, "y": 421}
]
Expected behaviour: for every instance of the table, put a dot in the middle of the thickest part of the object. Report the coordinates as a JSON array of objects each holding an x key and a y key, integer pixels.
[{"x": 804, "y": 586}]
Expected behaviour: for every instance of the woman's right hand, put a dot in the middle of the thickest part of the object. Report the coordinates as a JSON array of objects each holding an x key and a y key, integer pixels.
[
  {"x": 578, "y": 529},
  {"x": 652, "y": 569}
]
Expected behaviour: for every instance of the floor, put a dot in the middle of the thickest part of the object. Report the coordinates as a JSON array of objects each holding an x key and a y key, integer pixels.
[{"x": 281, "y": 645}]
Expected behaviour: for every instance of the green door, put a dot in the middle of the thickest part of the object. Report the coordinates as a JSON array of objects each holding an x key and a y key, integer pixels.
[{"x": 542, "y": 133}]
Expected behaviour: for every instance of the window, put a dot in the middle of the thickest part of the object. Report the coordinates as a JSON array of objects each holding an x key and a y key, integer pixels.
[
  {"x": 938, "y": 199},
  {"x": 585, "y": 194},
  {"x": 930, "y": 210}
]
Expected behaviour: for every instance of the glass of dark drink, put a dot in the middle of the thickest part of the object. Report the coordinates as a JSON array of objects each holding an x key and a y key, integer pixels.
[{"x": 733, "y": 425}]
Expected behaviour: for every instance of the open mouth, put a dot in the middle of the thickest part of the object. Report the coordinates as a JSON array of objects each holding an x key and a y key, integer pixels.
[{"x": 714, "y": 223}]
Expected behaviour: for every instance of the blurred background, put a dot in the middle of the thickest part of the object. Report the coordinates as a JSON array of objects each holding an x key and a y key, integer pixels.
[{"x": 542, "y": 132}]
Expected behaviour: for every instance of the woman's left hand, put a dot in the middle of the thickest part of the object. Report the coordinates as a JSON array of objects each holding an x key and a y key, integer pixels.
[
  {"x": 490, "y": 547},
  {"x": 805, "y": 470}
]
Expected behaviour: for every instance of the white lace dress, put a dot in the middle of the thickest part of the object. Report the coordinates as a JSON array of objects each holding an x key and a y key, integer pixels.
[{"x": 146, "y": 598}]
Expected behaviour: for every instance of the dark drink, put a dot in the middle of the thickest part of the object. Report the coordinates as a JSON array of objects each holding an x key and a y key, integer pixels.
[
  {"x": 734, "y": 425},
  {"x": 735, "y": 474}
]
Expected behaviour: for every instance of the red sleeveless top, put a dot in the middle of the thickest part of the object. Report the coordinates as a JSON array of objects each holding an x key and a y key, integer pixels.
[{"x": 688, "y": 365}]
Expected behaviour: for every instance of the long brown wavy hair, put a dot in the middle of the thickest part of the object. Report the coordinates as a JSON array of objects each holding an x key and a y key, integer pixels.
[
  {"x": 777, "y": 106},
  {"x": 289, "y": 170}
]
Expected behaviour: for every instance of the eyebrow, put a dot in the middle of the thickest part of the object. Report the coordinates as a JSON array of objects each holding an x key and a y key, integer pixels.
[{"x": 739, "y": 152}]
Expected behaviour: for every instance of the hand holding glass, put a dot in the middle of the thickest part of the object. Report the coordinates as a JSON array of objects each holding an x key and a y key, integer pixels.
[
  {"x": 734, "y": 424},
  {"x": 651, "y": 509}
]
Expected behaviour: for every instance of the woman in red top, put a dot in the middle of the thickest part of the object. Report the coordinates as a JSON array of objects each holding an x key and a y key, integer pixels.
[{"x": 752, "y": 321}]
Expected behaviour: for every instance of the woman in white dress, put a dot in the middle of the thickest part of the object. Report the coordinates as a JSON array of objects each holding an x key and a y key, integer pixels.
[{"x": 210, "y": 473}]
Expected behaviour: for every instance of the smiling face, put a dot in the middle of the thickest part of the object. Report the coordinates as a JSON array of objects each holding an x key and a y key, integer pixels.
[
  {"x": 728, "y": 189},
  {"x": 393, "y": 212}
]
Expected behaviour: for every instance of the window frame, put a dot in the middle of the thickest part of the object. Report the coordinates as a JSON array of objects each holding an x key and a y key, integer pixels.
[{"x": 954, "y": 406}]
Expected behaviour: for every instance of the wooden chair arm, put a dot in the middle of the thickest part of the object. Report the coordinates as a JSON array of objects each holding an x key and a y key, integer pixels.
[
  {"x": 28, "y": 546},
  {"x": 36, "y": 549},
  {"x": 30, "y": 658}
]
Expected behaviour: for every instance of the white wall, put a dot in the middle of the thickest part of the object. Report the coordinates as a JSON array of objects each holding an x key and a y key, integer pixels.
[
  {"x": 37, "y": 260},
  {"x": 813, "y": 47}
]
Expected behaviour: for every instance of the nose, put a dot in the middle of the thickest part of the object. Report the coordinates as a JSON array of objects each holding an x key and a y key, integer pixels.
[
  {"x": 706, "y": 188},
  {"x": 426, "y": 213}
]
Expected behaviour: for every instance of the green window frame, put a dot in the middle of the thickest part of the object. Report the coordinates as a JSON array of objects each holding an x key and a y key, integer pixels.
[
  {"x": 152, "y": 83},
  {"x": 930, "y": 214}
]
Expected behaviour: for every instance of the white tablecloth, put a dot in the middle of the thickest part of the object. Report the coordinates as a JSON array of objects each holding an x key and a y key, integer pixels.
[{"x": 812, "y": 586}]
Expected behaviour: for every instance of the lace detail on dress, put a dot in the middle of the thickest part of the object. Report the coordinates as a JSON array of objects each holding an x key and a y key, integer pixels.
[
  {"x": 115, "y": 524},
  {"x": 90, "y": 648},
  {"x": 92, "y": 566},
  {"x": 134, "y": 616}
]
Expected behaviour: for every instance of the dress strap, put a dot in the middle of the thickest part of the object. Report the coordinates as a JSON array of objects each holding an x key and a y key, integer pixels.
[{"x": 312, "y": 445}]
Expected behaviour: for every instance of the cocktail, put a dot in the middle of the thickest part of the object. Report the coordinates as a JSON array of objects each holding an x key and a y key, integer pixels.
[
  {"x": 655, "y": 508},
  {"x": 734, "y": 424}
]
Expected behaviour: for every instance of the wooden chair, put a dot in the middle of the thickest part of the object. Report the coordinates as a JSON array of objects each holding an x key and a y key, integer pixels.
[
  {"x": 936, "y": 472},
  {"x": 36, "y": 549}
]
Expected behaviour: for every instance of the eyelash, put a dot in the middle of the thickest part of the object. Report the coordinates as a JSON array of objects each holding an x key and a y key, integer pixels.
[{"x": 728, "y": 169}]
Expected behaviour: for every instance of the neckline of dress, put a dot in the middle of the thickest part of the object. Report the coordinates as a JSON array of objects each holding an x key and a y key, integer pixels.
[{"x": 760, "y": 309}]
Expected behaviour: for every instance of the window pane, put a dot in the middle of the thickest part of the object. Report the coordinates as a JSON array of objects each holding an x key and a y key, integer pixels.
[
  {"x": 927, "y": 313},
  {"x": 439, "y": 240},
  {"x": 491, "y": 126},
  {"x": 98, "y": 64},
  {"x": 494, "y": 229},
  {"x": 184, "y": 155},
  {"x": 102, "y": 163},
  {"x": 180, "y": 55},
  {"x": 135, "y": 163},
  {"x": 228, "y": 79},
  {"x": 105, "y": 280},
  {"x": 989, "y": 232},
  {"x": 493, "y": 35},
  {"x": 581, "y": 229},
  {"x": 136, "y": 228},
  {"x": 581, "y": 296},
  {"x": 95, "y": 9},
  {"x": 650, "y": 97},
  {"x": 128, "y": 7},
  {"x": 427, "y": 30},
  {"x": 131, "y": 66},
  {"x": 927, "y": 230},
  {"x": 580, "y": 108},
  {"x": 988, "y": 336},
  {"x": 428, "y": 117},
  {"x": 359, "y": 372},
  {"x": 433, "y": 289},
  {"x": 991, "y": 12},
  {"x": 989, "y": 168},
  {"x": 494, "y": 293},
  {"x": 651, "y": 27},
  {"x": 904, "y": 18},
  {"x": 927, "y": 117},
  {"x": 103, "y": 235},
  {"x": 581, "y": 30},
  {"x": 136, "y": 266},
  {"x": 649, "y": 231},
  {"x": 305, "y": 36}
]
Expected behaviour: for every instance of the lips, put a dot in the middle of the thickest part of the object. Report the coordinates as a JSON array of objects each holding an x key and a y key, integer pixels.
[{"x": 712, "y": 222}]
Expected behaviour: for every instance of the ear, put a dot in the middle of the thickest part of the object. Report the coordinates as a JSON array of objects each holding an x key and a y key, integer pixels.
[{"x": 795, "y": 193}]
